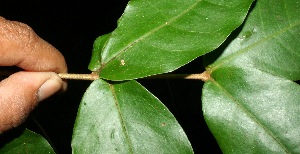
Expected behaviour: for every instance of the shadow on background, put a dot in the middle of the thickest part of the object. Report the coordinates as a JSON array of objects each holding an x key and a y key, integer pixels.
[{"x": 72, "y": 29}]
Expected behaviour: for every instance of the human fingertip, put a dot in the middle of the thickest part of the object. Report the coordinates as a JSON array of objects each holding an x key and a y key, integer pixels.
[{"x": 50, "y": 87}]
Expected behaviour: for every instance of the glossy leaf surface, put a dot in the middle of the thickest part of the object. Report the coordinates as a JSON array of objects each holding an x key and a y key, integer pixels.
[
  {"x": 252, "y": 104},
  {"x": 27, "y": 143},
  {"x": 98, "y": 46},
  {"x": 124, "y": 117},
  {"x": 156, "y": 37}
]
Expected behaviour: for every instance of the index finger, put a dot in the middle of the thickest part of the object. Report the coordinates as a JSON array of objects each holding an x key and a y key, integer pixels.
[{"x": 21, "y": 46}]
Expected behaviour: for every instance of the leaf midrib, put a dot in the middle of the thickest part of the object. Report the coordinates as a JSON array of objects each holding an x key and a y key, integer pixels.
[
  {"x": 251, "y": 116},
  {"x": 122, "y": 121},
  {"x": 153, "y": 31}
]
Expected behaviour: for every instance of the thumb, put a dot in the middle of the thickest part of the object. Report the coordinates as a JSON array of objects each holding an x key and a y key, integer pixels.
[{"x": 21, "y": 92}]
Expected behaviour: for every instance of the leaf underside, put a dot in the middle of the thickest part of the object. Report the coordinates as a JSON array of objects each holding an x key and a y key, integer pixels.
[
  {"x": 124, "y": 117},
  {"x": 252, "y": 104},
  {"x": 155, "y": 37}
]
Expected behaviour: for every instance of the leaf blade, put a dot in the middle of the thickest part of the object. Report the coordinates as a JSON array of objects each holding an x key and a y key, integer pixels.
[
  {"x": 251, "y": 105},
  {"x": 27, "y": 142},
  {"x": 98, "y": 45},
  {"x": 171, "y": 36},
  {"x": 265, "y": 32},
  {"x": 264, "y": 111},
  {"x": 125, "y": 118}
]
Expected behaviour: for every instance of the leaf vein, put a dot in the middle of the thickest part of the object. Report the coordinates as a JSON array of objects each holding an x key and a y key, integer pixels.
[{"x": 121, "y": 117}]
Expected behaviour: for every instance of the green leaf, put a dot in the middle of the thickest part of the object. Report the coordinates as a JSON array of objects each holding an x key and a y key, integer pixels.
[
  {"x": 28, "y": 142},
  {"x": 268, "y": 40},
  {"x": 124, "y": 117},
  {"x": 99, "y": 43},
  {"x": 252, "y": 104},
  {"x": 160, "y": 36}
]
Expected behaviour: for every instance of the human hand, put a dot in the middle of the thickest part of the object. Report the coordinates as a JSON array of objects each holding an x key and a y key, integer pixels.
[{"x": 21, "y": 92}]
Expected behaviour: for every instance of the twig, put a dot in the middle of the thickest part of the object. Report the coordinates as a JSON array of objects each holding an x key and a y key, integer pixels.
[
  {"x": 205, "y": 76},
  {"x": 68, "y": 76}
]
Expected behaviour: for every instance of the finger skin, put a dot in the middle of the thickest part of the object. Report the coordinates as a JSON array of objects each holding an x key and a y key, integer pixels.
[
  {"x": 19, "y": 96},
  {"x": 20, "y": 46}
]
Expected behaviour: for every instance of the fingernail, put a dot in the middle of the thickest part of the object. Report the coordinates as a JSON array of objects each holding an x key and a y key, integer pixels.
[{"x": 50, "y": 87}]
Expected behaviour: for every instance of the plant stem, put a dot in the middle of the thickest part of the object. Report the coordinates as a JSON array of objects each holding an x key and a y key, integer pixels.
[
  {"x": 205, "y": 76},
  {"x": 68, "y": 76}
]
